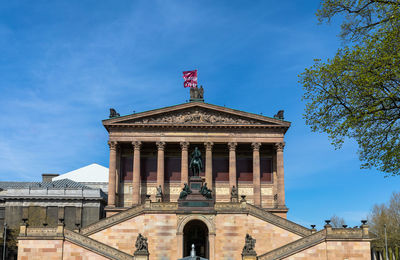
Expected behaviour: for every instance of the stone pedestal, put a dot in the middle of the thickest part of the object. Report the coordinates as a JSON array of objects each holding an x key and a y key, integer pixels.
[
  {"x": 141, "y": 256},
  {"x": 195, "y": 201},
  {"x": 249, "y": 257}
]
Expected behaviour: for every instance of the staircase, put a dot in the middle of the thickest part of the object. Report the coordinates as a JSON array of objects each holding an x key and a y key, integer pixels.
[
  {"x": 294, "y": 247},
  {"x": 95, "y": 246}
]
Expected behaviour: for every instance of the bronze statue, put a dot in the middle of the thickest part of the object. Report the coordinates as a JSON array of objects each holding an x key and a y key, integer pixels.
[
  {"x": 185, "y": 191},
  {"x": 141, "y": 244},
  {"x": 279, "y": 115},
  {"x": 206, "y": 192},
  {"x": 113, "y": 113},
  {"x": 249, "y": 245},
  {"x": 196, "y": 163}
]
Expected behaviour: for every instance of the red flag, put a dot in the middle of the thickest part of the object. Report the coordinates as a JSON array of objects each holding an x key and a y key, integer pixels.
[{"x": 190, "y": 78}]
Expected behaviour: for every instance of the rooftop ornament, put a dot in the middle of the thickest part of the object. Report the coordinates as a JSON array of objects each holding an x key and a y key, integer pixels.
[{"x": 113, "y": 113}]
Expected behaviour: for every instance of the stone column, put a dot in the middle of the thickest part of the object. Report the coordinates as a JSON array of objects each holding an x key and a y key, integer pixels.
[
  {"x": 256, "y": 174},
  {"x": 232, "y": 165},
  {"x": 136, "y": 173},
  {"x": 209, "y": 146},
  {"x": 112, "y": 173},
  {"x": 280, "y": 174},
  {"x": 160, "y": 164},
  {"x": 184, "y": 163}
]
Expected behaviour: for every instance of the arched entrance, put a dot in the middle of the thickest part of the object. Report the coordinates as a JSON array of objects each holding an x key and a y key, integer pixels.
[{"x": 196, "y": 232}]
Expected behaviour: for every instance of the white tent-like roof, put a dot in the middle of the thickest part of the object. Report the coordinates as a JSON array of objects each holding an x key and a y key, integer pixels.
[{"x": 91, "y": 173}]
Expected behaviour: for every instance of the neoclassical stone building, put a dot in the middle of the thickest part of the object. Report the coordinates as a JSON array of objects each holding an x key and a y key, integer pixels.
[{"x": 150, "y": 158}]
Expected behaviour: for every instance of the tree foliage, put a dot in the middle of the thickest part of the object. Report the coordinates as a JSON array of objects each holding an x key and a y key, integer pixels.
[
  {"x": 337, "y": 222},
  {"x": 388, "y": 214},
  {"x": 356, "y": 94}
]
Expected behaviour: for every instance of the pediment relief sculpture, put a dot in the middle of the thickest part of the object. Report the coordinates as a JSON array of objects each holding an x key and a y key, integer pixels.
[{"x": 196, "y": 116}]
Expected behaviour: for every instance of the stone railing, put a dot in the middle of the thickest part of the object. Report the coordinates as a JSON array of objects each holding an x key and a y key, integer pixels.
[
  {"x": 95, "y": 246},
  {"x": 278, "y": 221},
  {"x": 328, "y": 233},
  {"x": 294, "y": 247},
  {"x": 54, "y": 192},
  {"x": 147, "y": 207},
  {"x": 243, "y": 207},
  {"x": 41, "y": 232},
  {"x": 112, "y": 220}
]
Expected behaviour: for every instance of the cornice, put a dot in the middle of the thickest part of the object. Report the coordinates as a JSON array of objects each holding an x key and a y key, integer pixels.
[{"x": 216, "y": 108}]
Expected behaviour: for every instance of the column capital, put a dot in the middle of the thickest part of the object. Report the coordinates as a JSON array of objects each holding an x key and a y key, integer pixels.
[
  {"x": 160, "y": 145},
  {"x": 232, "y": 146},
  {"x": 208, "y": 145},
  {"x": 279, "y": 146},
  {"x": 112, "y": 145},
  {"x": 256, "y": 146},
  {"x": 184, "y": 145},
  {"x": 136, "y": 145}
]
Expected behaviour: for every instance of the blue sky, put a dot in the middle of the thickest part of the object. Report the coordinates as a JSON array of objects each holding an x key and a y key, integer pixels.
[{"x": 63, "y": 64}]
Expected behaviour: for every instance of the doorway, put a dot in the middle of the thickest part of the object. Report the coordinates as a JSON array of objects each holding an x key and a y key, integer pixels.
[{"x": 196, "y": 232}]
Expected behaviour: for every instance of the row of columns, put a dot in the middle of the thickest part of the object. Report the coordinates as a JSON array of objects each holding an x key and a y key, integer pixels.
[{"x": 185, "y": 169}]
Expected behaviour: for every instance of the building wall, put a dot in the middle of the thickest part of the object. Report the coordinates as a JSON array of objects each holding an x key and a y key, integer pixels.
[
  {"x": 74, "y": 252},
  {"x": 40, "y": 249},
  {"x": 231, "y": 230},
  {"x": 350, "y": 250},
  {"x": 160, "y": 230}
]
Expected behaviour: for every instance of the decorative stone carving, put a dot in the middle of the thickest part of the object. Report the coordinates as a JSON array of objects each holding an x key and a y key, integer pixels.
[
  {"x": 197, "y": 93},
  {"x": 184, "y": 145},
  {"x": 256, "y": 146},
  {"x": 160, "y": 145},
  {"x": 112, "y": 145},
  {"x": 208, "y": 145},
  {"x": 249, "y": 246},
  {"x": 197, "y": 116},
  {"x": 232, "y": 146},
  {"x": 279, "y": 147},
  {"x": 137, "y": 145}
]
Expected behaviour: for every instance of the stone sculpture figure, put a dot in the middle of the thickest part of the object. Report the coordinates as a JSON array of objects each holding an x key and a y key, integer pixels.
[
  {"x": 141, "y": 244},
  {"x": 279, "y": 115},
  {"x": 113, "y": 113},
  {"x": 185, "y": 191},
  {"x": 196, "y": 163},
  {"x": 159, "y": 191},
  {"x": 249, "y": 245},
  {"x": 234, "y": 192},
  {"x": 206, "y": 192},
  {"x": 201, "y": 92}
]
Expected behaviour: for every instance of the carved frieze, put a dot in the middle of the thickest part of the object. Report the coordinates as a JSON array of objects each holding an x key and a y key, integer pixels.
[{"x": 197, "y": 116}]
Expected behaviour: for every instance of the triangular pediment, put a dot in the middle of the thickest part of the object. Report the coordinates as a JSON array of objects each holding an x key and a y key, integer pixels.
[{"x": 196, "y": 113}]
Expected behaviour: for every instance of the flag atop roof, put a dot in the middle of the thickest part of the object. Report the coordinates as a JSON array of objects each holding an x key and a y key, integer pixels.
[{"x": 190, "y": 78}]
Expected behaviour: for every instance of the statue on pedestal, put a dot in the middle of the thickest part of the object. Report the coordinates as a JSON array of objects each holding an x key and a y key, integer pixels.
[
  {"x": 141, "y": 245},
  {"x": 234, "y": 194},
  {"x": 196, "y": 163},
  {"x": 249, "y": 245},
  {"x": 185, "y": 191},
  {"x": 159, "y": 194},
  {"x": 206, "y": 192}
]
